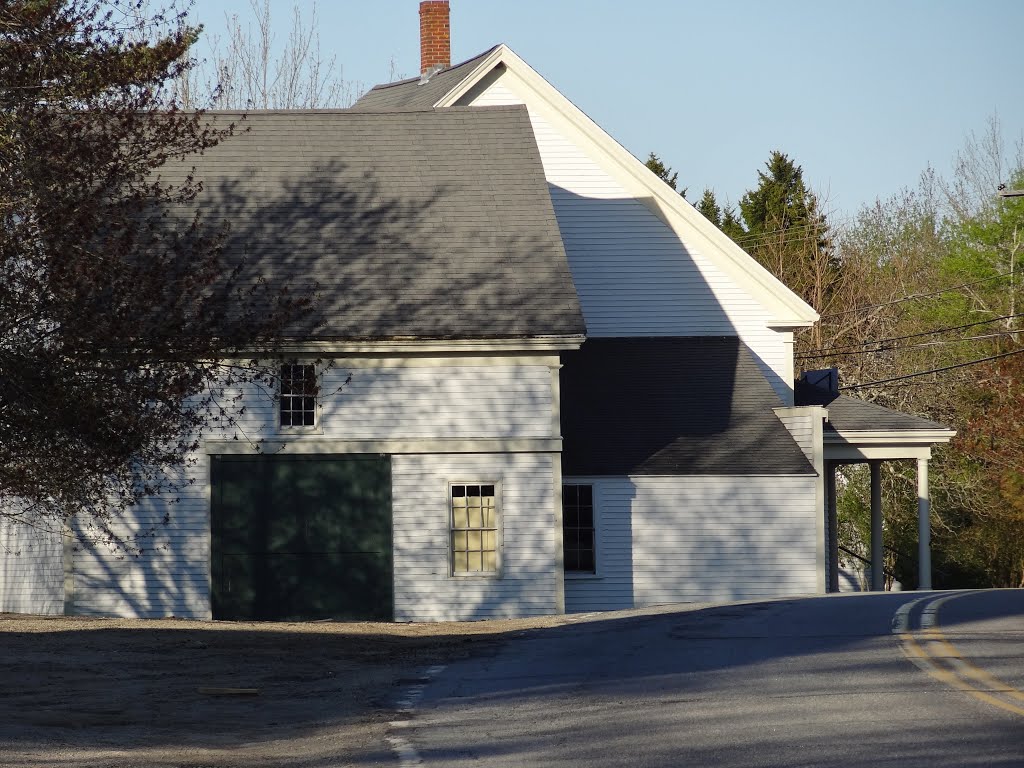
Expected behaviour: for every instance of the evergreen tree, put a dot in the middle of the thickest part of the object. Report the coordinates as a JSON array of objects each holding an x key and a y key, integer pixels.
[
  {"x": 661, "y": 170},
  {"x": 732, "y": 226},
  {"x": 709, "y": 208},
  {"x": 786, "y": 231}
]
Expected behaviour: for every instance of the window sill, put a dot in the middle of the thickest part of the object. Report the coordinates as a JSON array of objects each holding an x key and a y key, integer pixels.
[
  {"x": 581, "y": 576},
  {"x": 299, "y": 431}
]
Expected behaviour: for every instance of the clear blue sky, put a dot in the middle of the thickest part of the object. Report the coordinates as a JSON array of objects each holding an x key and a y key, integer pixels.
[{"x": 864, "y": 94}]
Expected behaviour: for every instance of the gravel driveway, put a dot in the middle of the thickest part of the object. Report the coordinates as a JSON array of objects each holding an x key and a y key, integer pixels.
[{"x": 115, "y": 693}]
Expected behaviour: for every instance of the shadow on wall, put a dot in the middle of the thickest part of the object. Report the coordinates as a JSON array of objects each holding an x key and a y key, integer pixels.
[
  {"x": 674, "y": 422},
  {"x": 710, "y": 539},
  {"x": 611, "y": 586},
  {"x": 635, "y": 277},
  {"x": 163, "y": 571},
  {"x": 31, "y": 568},
  {"x": 385, "y": 264},
  {"x": 389, "y": 265}
]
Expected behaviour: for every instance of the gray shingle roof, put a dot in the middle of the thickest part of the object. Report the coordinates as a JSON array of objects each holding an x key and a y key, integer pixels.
[
  {"x": 422, "y": 224},
  {"x": 850, "y": 414},
  {"x": 671, "y": 406},
  {"x": 409, "y": 94}
]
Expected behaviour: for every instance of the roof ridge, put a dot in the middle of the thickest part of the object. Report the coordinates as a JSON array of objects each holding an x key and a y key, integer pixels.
[{"x": 408, "y": 80}]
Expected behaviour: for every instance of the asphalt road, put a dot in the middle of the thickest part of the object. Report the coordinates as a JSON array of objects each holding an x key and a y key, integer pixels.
[{"x": 899, "y": 679}]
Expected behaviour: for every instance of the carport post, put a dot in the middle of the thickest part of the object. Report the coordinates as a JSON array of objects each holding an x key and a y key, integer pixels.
[
  {"x": 833, "y": 527},
  {"x": 877, "y": 553},
  {"x": 924, "y": 552}
]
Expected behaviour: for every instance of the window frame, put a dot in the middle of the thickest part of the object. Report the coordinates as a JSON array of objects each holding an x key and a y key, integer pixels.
[
  {"x": 595, "y": 530},
  {"x": 316, "y": 427},
  {"x": 497, "y": 529}
]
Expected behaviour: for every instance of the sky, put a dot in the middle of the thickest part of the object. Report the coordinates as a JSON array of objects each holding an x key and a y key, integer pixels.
[{"x": 863, "y": 94}]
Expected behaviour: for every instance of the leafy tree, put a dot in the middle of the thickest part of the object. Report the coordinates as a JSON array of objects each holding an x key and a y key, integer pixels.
[
  {"x": 930, "y": 281},
  {"x": 111, "y": 315}
]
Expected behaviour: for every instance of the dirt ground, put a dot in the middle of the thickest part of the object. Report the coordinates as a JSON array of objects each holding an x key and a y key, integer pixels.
[{"x": 112, "y": 693}]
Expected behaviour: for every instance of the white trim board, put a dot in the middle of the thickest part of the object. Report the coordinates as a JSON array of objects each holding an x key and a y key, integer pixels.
[{"x": 789, "y": 310}]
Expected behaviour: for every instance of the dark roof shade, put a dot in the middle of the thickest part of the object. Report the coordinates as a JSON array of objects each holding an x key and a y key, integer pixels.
[
  {"x": 672, "y": 406},
  {"x": 412, "y": 94},
  {"x": 425, "y": 224},
  {"x": 851, "y": 414}
]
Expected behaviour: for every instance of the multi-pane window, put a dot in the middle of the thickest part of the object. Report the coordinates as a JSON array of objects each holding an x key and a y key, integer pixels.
[
  {"x": 578, "y": 528},
  {"x": 474, "y": 529},
  {"x": 298, "y": 395}
]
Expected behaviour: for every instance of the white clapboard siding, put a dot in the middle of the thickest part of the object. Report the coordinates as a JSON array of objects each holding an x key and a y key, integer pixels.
[
  {"x": 611, "y": 588},
  {"x": 425, "y": 590},
  {"x": 171, "y": 577},
  {"x": 426, "y": 402},
  {"x": 699, "y": 539},
  {"x": 635, "y": 275},
  {"x": 31, "y": 568},
  {"x": 801, "y": 426}
]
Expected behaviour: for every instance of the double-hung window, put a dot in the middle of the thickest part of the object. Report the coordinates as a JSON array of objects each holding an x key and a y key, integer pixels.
[
  {"x": 474, "y": 529},
  {"x": 298, "y": 395},
  {"x": 578, "y": 538}
]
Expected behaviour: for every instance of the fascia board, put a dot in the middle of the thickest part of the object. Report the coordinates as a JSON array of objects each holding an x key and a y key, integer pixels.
[
  {"x": 790, "y": 310},
  {"x": 532, "y": 344},
  {"x": 890, "y": 437}
]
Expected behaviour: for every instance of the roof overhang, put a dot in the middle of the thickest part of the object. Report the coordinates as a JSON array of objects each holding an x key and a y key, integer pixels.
[
  {"x": 880, "y": 445},
  {"x": 532, "y": 344}
]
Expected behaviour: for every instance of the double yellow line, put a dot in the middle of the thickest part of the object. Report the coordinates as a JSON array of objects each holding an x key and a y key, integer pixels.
[{"x": 930, "y": 650}]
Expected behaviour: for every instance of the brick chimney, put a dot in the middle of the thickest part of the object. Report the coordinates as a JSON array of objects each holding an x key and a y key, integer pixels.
[{"x": 435, "y": 36}]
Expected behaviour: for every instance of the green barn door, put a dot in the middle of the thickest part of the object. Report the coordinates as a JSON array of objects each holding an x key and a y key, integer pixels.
[{"x": 301, "y": 537}]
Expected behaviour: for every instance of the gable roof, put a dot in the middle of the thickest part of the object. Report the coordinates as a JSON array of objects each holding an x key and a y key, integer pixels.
[
  {"x": 672, "y": 406},
  {"x": 413, "y": 94},
  {"x": 415, "y": 225},
  {"x": 789, "y": 309}
]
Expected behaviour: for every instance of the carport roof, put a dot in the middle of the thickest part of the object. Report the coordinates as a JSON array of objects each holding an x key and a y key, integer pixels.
[{"x": 851, "y": 414}]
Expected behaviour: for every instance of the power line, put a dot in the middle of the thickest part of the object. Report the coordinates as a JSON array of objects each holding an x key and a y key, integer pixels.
[
  {"x": 916, "y": 296},
  {"x": 933, "y": 370},
  {"x": 855, "y": 348},
  {"x": 922, "y": 345},
  {"x": 759, "y": 236}
]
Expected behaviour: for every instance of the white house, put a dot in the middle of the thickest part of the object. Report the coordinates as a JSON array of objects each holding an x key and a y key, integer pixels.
[{"x": 561, "y": 388}]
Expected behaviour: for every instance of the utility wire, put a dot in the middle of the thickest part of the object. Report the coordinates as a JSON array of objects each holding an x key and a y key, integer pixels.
[
  {"x": 916, "y": 296},
  {"x": 854, "y": 349},
  {"x": 923, "y": 345},
  {"x": 933, "y": 370}
]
